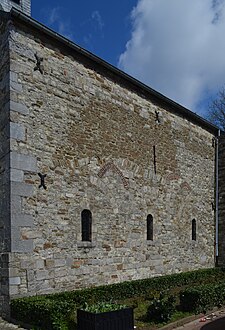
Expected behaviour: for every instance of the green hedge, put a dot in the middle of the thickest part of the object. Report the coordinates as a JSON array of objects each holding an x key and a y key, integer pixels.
[
  {"x": 42, "y": 312},
  {"x": 141, "y": 287},
  {"x": 202, "y": 298},
  {"x": 51, "y": 312}
]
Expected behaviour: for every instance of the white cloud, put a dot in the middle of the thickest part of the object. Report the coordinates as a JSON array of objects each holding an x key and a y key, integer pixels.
[
  {"x": 54, "y": 15},
  {"x": 63, "y": 26},
  {"x": 177, "y": 47},
  {"x": 94, "y": 28},
  {"x": 98, "y": 19}
]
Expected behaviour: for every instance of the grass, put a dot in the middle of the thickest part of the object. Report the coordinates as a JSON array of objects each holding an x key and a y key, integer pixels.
[
  {"x": 141, "y": 304},
  {"x": 152, "y": 326}
]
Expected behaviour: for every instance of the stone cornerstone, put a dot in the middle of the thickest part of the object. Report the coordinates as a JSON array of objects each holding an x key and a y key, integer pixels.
[{"x": 108, "y": 145}]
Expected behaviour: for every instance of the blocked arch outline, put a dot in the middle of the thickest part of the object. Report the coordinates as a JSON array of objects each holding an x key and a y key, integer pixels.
[{"x": 111, "y": 166}]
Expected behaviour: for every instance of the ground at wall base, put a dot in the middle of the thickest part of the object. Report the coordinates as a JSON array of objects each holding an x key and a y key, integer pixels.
[
  {"x": 214, "y": 320},
  {"x": 4, "y": 325}
]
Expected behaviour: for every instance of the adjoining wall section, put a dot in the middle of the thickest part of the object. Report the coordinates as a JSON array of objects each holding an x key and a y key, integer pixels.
[
  {"x": 12, "y": 167},
  {"x": 4, "y": 167},
  {"x": 22, "y": 163},
  {"x": 105, "y": 148},
  {"x": 221, "y": 227},
  {"x": 22, "y": 5}
]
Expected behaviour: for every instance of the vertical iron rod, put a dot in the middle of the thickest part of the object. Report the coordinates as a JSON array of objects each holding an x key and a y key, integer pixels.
[{"x": 154, "y": 159}]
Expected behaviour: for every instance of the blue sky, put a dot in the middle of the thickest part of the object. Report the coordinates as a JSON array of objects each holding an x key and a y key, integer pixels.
[
  {"x": 100, "y": 26},
  {"x": 176, "y": 47}
]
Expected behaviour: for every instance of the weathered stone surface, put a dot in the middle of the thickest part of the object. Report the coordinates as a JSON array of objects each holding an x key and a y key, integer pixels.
[
  {"x": 14, "y": 281},
  {"x": 17, "y": 132},
  {"x": 22, "y": 220},
  {"x": 21, "y": 189},
  {"x": 4, "y": 170},
  {"x": 23, "y": 162},
  {"x": 18, "y": 107},
  {"x": 101, "y": 148},
  {"x": 16, "y": 175},
  {"x": 18, "y": 244},
  {"x": 24, "y": 5},
  {"x": 221, "y": 202}
]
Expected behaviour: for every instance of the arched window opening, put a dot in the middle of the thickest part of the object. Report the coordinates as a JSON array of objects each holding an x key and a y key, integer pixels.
[
  {"x": 150, "y": 227},
  {"x": 193, "y": 230},
  {"x": 86, "y": 224}
]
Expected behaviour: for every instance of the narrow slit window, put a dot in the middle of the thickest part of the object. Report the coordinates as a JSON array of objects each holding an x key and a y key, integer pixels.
[
  {"x": 193, "y": 230},
  {"x": 86, "y": 225},
  {"x": 150, "y": 227},
  {"x": 16, "y": 1}
]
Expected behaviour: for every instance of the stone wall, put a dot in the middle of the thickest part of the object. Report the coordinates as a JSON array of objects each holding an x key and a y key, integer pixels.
[
  {"x": 103, "y": 148},
  {"x": 23, "y": 5},
  {"x": 4, "y": 166},
  {"x": 221, "y": 225}
]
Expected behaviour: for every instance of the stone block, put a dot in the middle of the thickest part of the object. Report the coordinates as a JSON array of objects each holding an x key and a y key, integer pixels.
[
  {"x": 13, "y": 76},
  {"x": 22, "y": 220},
  {"x": 21, "y": 189},
  {"x": 27, "y": 264},
  {"x": 14, "y": 290},
  {"x": 23, "y": 5},
  {"x": 17, "y": 132},
  {"x": 30, "y": 275},
  {"x": 14, "y": 280},
  {"x": 42, "y": 275},
  {"x": 15, "y": 204},
  {"x": 40, "y": 264},
  {"x": 16, "y": 175},
  {"x": 28, "y": 233},
  {"x": 14, "y": 86},
  {"x": 18, "y": 245},
  {"x": 49, "y": 263},
  {"x": 61, "y": 273},
  {"x": 13, "y": 272},
  {"x": 18, "y": 107},
  {"x": 60, "y": 262},
  {"x": 23, "y": 162}
]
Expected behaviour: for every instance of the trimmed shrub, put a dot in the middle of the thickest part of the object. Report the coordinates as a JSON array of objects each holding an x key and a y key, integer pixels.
[
  {"x": 161, "y": 309},
  {"x": 202, "y": 298},
  {"x": 139, "y": 288},
  {"x": 41, "y": 312}
]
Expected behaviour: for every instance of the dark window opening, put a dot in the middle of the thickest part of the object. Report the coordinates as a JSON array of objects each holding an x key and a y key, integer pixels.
[
  {"x": 16, "y": 1},
  {"x": 193, "y": 230},
  {"x": 86, "y": 224},
  {"x": 150, "y": 227}
]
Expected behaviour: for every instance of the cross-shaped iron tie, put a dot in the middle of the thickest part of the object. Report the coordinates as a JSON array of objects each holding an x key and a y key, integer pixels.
[
  {"x": 42, "y": 176},
  {"x": 157, "y": 117},
  {"x": 38, "y": 64}
]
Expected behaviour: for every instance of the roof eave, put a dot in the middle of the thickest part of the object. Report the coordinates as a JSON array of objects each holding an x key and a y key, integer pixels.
[{"x": 16, "y": 14}]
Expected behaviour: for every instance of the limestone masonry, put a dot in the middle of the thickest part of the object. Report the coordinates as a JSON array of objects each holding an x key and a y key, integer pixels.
[{"x": 102, "y": 179}]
